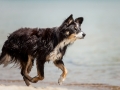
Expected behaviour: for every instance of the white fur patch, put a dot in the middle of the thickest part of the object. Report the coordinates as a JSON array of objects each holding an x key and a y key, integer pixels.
[
  {"x": 60, "y": 80},
  {"x": 79, "y": 35},
  {"x": 56, "y": 54}
]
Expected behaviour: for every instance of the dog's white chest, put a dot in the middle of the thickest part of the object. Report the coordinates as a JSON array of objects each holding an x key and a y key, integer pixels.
[{"x": 56, "y": 54}]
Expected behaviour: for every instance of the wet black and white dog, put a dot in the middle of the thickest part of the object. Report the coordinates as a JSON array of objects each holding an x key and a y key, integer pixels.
[{"x": 43, "y": 44}]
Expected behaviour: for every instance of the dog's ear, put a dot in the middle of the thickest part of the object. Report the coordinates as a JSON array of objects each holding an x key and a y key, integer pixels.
[
  {"x": 79, "y": 20},
  {"x": 69, "y": 20}
]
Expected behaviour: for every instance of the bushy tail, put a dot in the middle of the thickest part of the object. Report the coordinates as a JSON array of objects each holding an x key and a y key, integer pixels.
[{"x": 5, "y": 59}]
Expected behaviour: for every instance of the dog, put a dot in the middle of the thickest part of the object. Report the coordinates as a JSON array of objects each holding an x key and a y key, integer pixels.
[{"x": 25, "y": 45}]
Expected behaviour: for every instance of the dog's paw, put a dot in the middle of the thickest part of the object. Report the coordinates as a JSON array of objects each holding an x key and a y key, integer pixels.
[
  {"x": 34, "y": 80},
  {"x": 60, "y": 80}
]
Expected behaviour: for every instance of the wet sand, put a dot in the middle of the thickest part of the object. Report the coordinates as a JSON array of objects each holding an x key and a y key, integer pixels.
[{"x": 20, "y": 85}]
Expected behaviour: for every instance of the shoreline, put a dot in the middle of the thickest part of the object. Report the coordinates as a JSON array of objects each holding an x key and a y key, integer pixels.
[{"x": 20, "y": 85}]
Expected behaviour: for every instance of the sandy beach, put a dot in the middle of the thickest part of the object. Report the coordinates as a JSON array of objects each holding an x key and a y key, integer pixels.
[{"x": 19, "y": 85}]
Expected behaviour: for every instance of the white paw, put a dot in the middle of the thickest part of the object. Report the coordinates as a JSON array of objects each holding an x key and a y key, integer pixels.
[{"x": 60, "y": 80}]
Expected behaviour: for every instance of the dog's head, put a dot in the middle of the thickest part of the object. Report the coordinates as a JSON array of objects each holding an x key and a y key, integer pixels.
[{"x": 71, "y": 28}]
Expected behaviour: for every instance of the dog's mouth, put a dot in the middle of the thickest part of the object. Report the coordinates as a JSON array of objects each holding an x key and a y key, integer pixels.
[{"x": 80, "y": 35}]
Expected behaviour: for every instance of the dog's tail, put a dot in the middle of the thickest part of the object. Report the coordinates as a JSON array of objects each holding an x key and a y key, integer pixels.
[{"x": 5, "y": 59}]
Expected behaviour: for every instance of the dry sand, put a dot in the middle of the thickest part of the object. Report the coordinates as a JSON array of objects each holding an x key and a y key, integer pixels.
[
  {"x": 13, "y": 87},
  {"x": 19, "y": 85}
]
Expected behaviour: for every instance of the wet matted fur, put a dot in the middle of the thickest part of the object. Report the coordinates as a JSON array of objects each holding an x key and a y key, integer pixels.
[{"x": 43, "y": 44}]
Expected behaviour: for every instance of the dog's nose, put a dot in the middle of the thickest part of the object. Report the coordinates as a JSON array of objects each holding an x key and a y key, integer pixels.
[{"x": 84, "y": 34}]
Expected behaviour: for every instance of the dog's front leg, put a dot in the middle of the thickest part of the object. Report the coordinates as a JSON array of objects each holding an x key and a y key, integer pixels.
[
  {"x": 40, "y": 71},
  {"x": 60, "y": 64}
]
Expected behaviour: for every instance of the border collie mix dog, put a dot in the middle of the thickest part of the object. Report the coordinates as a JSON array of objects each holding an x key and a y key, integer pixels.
[{"x": 43, "y": 44}]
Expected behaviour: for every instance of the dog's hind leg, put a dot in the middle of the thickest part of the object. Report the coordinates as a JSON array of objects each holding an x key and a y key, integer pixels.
[
  {"x": 60, "y": 64},
  {"x": 28, "y": 71},
  {"x": 40, "y": 70},
  {"x": 26, "y": 68},
  {"x": 25, "y": 79}
]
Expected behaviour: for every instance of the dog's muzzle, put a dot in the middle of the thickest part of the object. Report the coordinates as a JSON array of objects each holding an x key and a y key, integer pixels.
[{"x": 80, "y": 35}]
